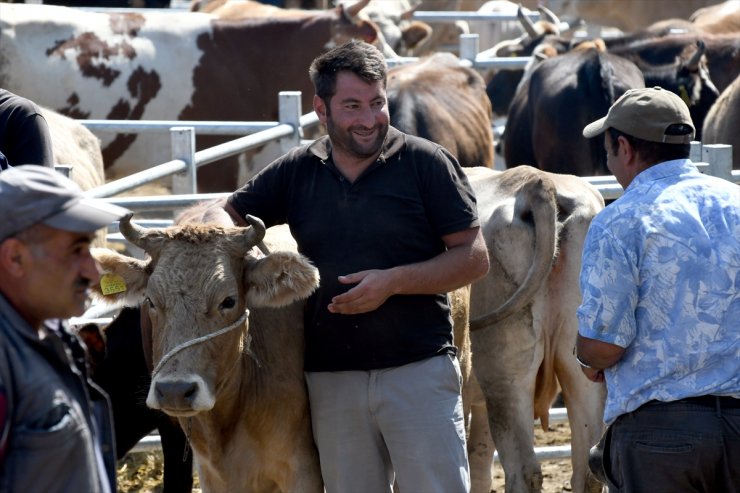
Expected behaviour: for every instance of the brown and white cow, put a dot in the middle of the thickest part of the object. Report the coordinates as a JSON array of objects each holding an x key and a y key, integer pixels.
[
  {"x": 523, "y": 316},
  {"x": 164, "y": 66},
  {"x": 438, "y": 99},
  {"x": 227, "y": 348}
]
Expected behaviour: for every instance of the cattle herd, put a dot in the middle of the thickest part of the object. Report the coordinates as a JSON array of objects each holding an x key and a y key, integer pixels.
[{"x": 227, "y": 60}]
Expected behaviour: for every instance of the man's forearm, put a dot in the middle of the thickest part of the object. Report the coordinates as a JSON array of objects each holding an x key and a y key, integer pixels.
[{"x": 597, "y": 354}]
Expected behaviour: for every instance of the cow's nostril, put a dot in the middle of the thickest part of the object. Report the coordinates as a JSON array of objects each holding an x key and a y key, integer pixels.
[
  {"x": 191, "y": 391},
  {"x": 176, "y": 394}
]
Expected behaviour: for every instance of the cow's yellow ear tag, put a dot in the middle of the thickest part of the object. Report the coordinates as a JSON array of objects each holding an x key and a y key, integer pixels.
[{"x": 112, "y": 284}]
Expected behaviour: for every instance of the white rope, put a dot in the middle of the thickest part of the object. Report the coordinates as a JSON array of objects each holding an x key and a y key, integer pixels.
[{"x": 198, "y": 340}]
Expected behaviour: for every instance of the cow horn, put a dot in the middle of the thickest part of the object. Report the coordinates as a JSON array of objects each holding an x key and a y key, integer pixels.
[
  {"x": 526, "y": 22},
  {"x": 355, "y": 8},
  {"x": 408, "y": 14},
  {"x": 548, "y": 15},
  {"x": 693, "y": 63},
  {"x": 132, "y": 232},
  {"x": 256, "y": 233}
]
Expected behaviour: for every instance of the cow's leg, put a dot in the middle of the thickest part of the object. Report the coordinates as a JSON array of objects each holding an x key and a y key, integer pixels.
[
  {"x": 506, "y": 359},
  {"x": 480, "y": 443},
  {"x": 584, "y": 399},
  {"x": 585, "y": 403}
]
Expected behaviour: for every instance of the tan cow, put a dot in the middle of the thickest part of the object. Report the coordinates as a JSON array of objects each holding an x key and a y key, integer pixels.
[
  {"x": 227, "y": 347},
  {"x": 627, "y": 15},
  {"x": 74, "y": 145},
  {"x": 720, "y": 18},
  {"x": 534, "y": 224},
  {"x": 722, "y": 124}
]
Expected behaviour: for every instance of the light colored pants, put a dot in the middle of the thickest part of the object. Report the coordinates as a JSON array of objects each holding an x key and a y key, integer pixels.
[{"x": 407, "y": 419}]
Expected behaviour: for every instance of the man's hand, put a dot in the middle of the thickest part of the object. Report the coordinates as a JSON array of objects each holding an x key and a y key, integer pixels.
[
  {"x": 593, "y": 374},
  {"x": 373, "y": 288}
]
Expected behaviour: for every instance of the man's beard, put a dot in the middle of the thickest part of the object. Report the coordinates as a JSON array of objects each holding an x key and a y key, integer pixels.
[{"x": 345, "y": 140}]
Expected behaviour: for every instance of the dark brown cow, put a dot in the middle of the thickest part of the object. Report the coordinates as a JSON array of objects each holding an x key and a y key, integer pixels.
[
  {"x": 440, "y": 100},
  {"x": 551, "y": 107},
  {"x": 502, "y": 84},
  {"x": 722, "y": 52},
  {"x": 164, "y": 66},
  {"x": 686, "y": 74}
]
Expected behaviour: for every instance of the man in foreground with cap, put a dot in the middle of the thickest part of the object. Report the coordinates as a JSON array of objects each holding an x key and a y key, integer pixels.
[
  {"x": 659, "y": 320},
  {"x": 55, "y": 426}
]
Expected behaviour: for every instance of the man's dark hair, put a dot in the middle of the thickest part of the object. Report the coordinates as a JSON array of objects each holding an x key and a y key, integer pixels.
[
  {"x": 362, "y": 59},
  {"x": 654, "y": 152}
]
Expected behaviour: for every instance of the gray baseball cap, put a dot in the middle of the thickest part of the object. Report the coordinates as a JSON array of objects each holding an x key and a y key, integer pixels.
[
  {"x": 31, "y": 194},
  {"x": 645, "y": 113}
]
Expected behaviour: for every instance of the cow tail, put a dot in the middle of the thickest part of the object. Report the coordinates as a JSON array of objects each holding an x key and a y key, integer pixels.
[{"x": 536, "y": 203}]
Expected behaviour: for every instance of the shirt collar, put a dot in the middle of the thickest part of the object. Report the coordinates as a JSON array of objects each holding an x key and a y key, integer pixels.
[
  {"x": 663, "y": 170},
  {"x": 394, "y": 142}
]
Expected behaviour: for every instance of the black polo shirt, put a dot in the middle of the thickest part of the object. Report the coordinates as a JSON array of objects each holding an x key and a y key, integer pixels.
[{"x": 395, "y": 213}]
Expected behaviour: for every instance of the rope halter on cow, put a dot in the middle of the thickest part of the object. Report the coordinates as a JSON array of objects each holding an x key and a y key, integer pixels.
[{"x": 198, "y": 340}]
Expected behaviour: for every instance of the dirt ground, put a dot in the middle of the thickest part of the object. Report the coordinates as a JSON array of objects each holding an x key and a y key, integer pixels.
[{"x": 142, "y": 472}]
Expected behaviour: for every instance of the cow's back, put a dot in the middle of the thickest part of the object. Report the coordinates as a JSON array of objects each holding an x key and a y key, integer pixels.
[{"x": 440, "y": 100}]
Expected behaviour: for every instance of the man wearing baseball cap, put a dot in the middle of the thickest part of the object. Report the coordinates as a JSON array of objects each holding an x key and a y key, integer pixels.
[
  {"x": 659, "y": 319},
  {"x": 55, "y": 428}
]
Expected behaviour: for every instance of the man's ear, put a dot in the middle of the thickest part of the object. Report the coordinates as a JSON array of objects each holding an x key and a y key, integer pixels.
[
  {"x": 13, "y": 257},
  {"x": 320, "y": 108}
]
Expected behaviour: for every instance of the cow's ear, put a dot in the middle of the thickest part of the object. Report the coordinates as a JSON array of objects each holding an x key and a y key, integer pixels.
[
  {"x": 279, "y": 279},
  {"x": 415, "y": 34},
  {"x": 122, "y": 279}
]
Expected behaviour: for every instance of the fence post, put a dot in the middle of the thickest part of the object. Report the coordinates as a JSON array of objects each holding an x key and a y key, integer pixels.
[
  {"x": 719, "y": 157},
  {"x": 695, "y": 154},
  {"x": 290, "y": 113},
  {"x": 469, "y": 47},
  {"x": 182, "y": 140}
]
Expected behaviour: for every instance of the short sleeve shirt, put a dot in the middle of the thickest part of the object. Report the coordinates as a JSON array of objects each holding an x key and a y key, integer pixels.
[
  {"x": 661, "y": 278},
  {"x": 395, "y": 213}
]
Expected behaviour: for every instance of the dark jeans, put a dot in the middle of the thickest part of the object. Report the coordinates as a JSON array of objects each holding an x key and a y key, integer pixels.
[{"x": 691, "y": 445}]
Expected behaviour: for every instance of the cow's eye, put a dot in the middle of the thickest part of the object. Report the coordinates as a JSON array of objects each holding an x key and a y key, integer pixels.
[
  {"x": 148, "y": 302},
  {"x": 227, "y": 303}
]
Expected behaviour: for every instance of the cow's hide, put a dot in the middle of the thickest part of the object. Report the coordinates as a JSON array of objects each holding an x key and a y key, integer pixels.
[
  {"x": 523, "y": 316},
  {"x": 551, "y": 107},
  {"x": 441, "y": 100},
  {"x": 74, "y": 145}
]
